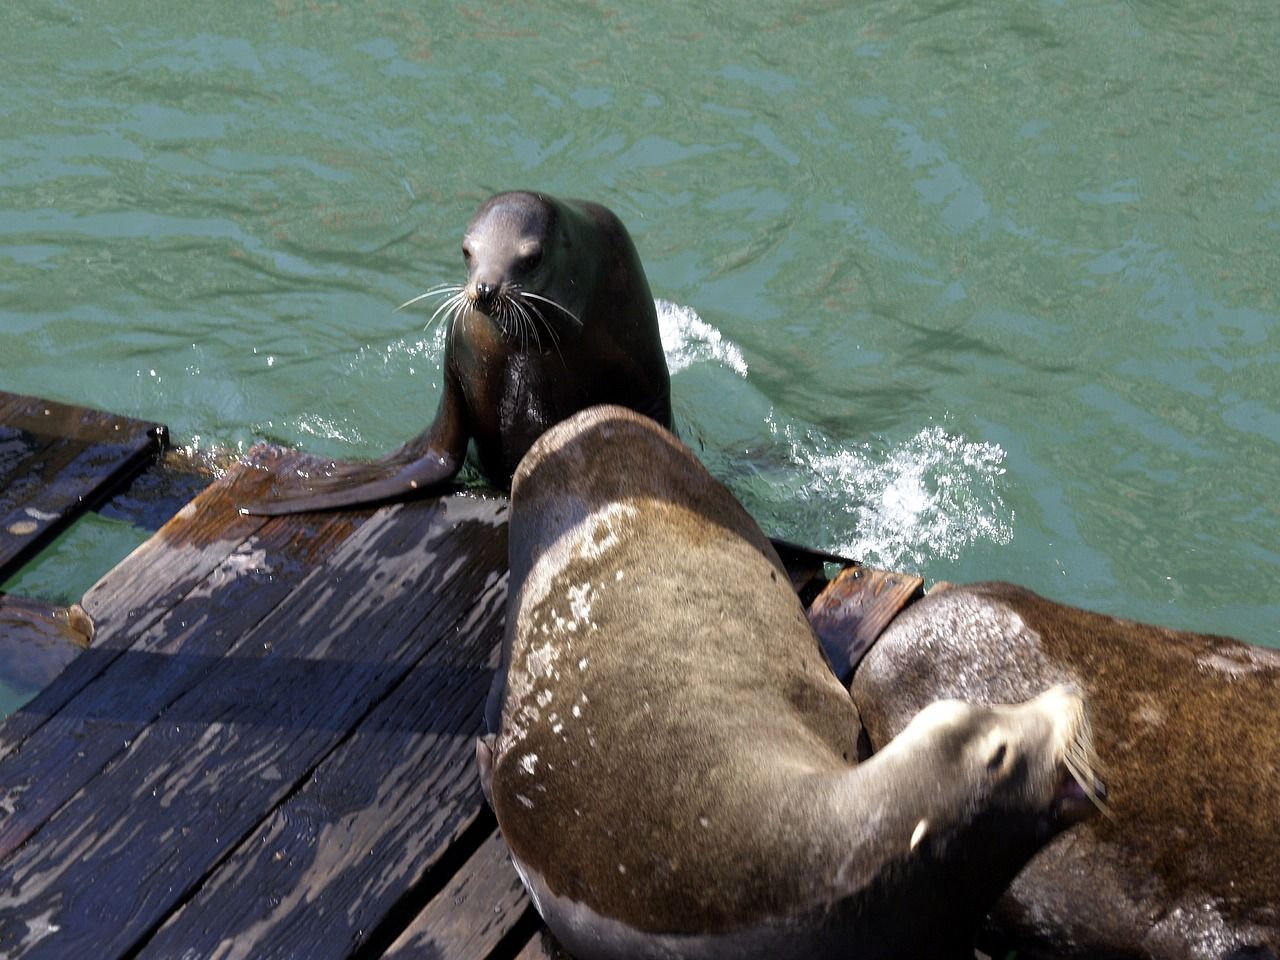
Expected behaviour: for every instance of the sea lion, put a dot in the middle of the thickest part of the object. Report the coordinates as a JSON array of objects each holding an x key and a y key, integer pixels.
[
  {"x": 675, "y": 768},
  {"x": 1188, "y": 725},
  {"x": 555, "y": 316}
]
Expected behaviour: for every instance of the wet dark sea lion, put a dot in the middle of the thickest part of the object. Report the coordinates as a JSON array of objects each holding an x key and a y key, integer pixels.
[
  {"x": 1187, "y": 727},
  {"x": 556, "y": 316},
  {"x": 676, "y": 768}
]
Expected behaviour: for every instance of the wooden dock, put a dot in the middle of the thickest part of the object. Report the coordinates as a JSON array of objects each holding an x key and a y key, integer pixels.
[{"x": 267, "y": 750}]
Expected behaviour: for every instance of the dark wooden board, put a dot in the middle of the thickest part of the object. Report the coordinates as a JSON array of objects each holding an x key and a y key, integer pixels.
[
  {"x": 140, "y": 838},
  {"x": 481, "y": 906},
  {"x": 56, "y": 461},
  {"x": 853, "y": 610},
  {"x": 134, "y": 686},
  {"x": 542, "y": 946},
  {"x": 144, "y": 586},
  {"x": 380, "y": 818}
]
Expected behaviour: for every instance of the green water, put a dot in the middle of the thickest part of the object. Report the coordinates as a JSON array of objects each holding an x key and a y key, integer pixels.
[{"x": 978, "y": 290}]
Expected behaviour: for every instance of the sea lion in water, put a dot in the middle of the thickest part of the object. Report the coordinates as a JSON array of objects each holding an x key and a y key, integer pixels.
[
  {"x": 1188, "y": 864},
  {"x": 676, "y": 768},
  {"x": 556, "y": 316}
]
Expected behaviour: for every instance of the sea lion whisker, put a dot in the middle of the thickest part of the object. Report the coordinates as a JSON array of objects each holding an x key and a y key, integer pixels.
[
  {"x": 532, "y": 308},
  {"x": 433, "y": 292},
  {"x": 533, "y": 327},
  {"x": 523, "y": 310},
  {"x": 1082, "y": 773},
  {"x": 537, "y": 314},
  {"x": 565, "y": 310},
  {"x": 452, "y": 304}
]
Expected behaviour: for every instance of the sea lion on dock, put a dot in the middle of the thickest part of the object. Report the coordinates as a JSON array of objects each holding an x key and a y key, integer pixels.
[
  {"x": 555, "y": 316},
  {"x": 1188, "y": 864},
  {"x": 675, "y": 768}
]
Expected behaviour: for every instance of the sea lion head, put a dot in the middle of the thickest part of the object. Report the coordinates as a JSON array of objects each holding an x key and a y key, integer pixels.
[
  {"x": 1022, "y": 773},
  {"x": 519, "y": 274}
]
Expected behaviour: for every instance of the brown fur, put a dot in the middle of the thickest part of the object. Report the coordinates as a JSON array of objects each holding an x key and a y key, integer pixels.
[{"x": 1188, "y": 730}]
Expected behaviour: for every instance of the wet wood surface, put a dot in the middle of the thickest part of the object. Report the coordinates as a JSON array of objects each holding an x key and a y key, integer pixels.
[
  {"x": 268, "y": 748},
  {"x": 853, "y": 610},
  {"x": 56, "y": 461}
]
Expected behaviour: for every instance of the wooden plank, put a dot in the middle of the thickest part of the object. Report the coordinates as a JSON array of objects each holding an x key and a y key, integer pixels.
[
  {"x": 56, "y": 461},
  {"x": 542, "y": 946},
  {"x": 37, "y": 640},
  {"x": 114, "y": 862},
  {"x": 379, "y": 818},
  {"x": 126, "y": 602},
  {"x": 479, "y": 908},
  {"x": 853, "y": 610},
  {"x": 133, "y": 687}
]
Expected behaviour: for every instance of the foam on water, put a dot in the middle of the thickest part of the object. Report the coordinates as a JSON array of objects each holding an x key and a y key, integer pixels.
[
  {"x": 929, "y": 497},
  {"x": 897, "y": 506},
  {"x": 688, "y": 339}
]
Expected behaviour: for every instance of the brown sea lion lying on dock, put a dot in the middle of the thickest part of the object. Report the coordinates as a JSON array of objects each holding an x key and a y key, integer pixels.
[
  {"x": 1187, "y": 867},
  {"x": 675, "y": 767}
]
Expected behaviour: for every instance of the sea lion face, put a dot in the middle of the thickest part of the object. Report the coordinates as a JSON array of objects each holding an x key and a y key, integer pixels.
[
  {"x": 1032, "y": 763},
  {"x": 517, "y": 272}
]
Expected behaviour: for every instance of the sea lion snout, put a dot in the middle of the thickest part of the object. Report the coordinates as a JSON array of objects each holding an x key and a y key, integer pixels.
[
  {"x": 1069, "y": 788},
  {"x": 485, "y": 295}
]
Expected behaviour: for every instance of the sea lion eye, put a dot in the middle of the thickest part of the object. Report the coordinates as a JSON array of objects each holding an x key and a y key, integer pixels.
[
  {"x": 530, "y": 261},
  {"x": 466, "y": 254}
]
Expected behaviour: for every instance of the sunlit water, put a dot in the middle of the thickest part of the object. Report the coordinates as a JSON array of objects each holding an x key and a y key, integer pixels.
[{"x": 981, "y": 291}]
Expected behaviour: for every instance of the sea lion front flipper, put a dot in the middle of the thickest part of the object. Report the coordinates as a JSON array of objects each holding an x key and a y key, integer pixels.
[
  {"x": 378, "y": 482},
  {"x": 428, "y": 461}
]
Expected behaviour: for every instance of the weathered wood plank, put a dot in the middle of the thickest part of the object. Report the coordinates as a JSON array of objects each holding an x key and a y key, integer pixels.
[
  {"x": 472, "y": 915},
  {"x": 853, "y": 610},
  {"x": 138, "y": 840},
  {"x": 126, "y": 602},
  {"x": 375, "y": 819},
  {"x": 135, "y": 686},
  {"x": 542, "y": 946},
  {"x": 58, "y": 460}
]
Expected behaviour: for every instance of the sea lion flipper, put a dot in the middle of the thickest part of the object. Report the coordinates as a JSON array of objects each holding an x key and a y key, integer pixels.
[
  {"x": 361, "y": 487},
  {"x": 426, "y": 462}
]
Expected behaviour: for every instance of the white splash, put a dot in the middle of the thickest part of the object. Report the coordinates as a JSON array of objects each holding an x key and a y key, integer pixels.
[
  {"x": 688, "y": 339},
  {"x": 927, "y": 498}
]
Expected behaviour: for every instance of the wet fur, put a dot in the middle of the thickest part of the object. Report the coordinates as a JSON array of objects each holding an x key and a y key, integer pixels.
[{"x": 556, "y": 316}]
